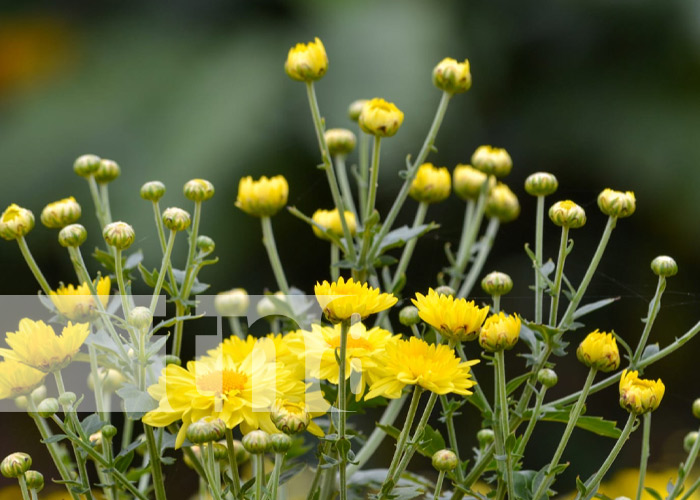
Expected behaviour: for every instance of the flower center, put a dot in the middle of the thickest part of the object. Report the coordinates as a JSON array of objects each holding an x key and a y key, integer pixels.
[{"x": 222, "y": 382}]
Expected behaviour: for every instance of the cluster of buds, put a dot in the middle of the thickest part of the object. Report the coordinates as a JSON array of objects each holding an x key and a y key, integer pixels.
[
  {"x": 431, "y": 184},
  {"x": 329, "y": 220},
  {"x": 264, "y": 197},
  {"x": 599, "y": 351},
  {"x": 500, "y": 331}
]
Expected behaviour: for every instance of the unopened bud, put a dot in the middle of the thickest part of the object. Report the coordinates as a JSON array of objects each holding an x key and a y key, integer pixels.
[
  {"x": 171, "y": 359},
  {"x": 616, "y": 203},
  {"x": 110, "y": 378},
  {"x": 119, "y": 235},
  {"x": 497, "y": 283},
  {"x": 492, "y": 161},
  {"x": 15, "y": 465},
  {"x": 198, "y": 190},
  {"x": 152, "y": 191},
  {"x": 452, "y": 76},
  {"x": 60, "y": 213},
  {"x": 140, "y": 317},
  {"x": 22, "y": 402},
  {"x": 485, "y": 437},
  {"x": 72, "y": 236},
  {"x": 202, "y": 432},
  {"x": 547, "y": 377},
  {"x": 35, "y": 480},
  {"x": 86, "y": 165},
  {"x": 219, "y": 427},
  {"x": 665, "y": 266},
  {"x": 16, "y": 222},
  {"x": 541, "y": 184},
  {"x": 502, "y": 203},
  {"x": 232, "y": 303},
  {"x": 220, "y": 451},
  {"x": 47, "y": 408},
  {"x": 265, "y": 307},
  {"x": 96, "y": 440},
  {"x": 340, "y": 141},
  {"x": 689, "y": 441},
  {"x": 176, "y": 219},
  {"x": 38, "y": 394},
  {"x": 290, "y": 418},
  {"x": 256, "y": 442},
  {"x": 599, "y": 351},
  {"x": 205, "y": 244},
  {"x": 107, "y": 172},
  {"x": 445, "y": 290},
  {"x": 408, "y": 316},
  {"x": 109, "y": 431},
  {"x": 67, "y": 398},
  {"x": 380, "y": 118},
  {"x": 467, "y": 181},
  {"x": 445, "y": 460},
  {"x": 431, "y": 184},
  {"x": 567, "y": 214},
  {"x": 355, "y": 108},
  {"x": 280, "y": 443}
]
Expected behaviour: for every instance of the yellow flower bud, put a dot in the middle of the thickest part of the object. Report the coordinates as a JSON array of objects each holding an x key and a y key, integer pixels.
[
  {"x": 500, "y": 332},
  {"x": 119, "y": 235},
  {"x": 16, "y": 222},
  {"x": 256, "y": 442},
  {"x": 541, "y": 184},
  {"x": 176, "y": 219},
  {"x": 264, "y": 197},
  {"x": 86, "y": 165},
  {"x": 35, "y": 480},
  {"x": 47, "y": 408},
  {"x": 502, "y": 203},
  {"x": 355, "y": 108},
  {"x": 445, "y": 460},
  {"x": 96, "y": 440},
  {"x": 567, "y": 214},
  {"x": 492, "y": 161},
  {"x": 452, "y": 76},
  {"x": 616, "y": 203},
  {"x": 496, "y": 283},
  {"x": 15, "y": 465},
  {"x": 107, "y": 171},
  {"x": 330, "y": 221},
  {"x": 152, "y": 191},
  {"x": 341, "y": 141},
  {"x": 198, "y": 190},
  {"x": 290, "y": 418},
  {"x": 73, "y": 235},
  {"x": 232, "y": 303},
  {"x": 60, "y": 213},
  {"x": 665, "y": 266},
  {"x": 467, "y": 181},
  {"x": 431, "y": 184},
  {"x": 638, "y": 395},
  {"x": 599, "y": 350},
  {"x": 380, "y": 118},
  {"x": 307, "y": 62}
]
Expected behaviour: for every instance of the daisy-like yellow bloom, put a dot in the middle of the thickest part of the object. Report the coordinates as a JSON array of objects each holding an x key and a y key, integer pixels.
[
  {"x": 330, "y": 221},
  {"x": 77, "y": 303},
  {"x": 415, "y": 362},
  {"x": 18, "y": 379},
  {"x": 264, "y": 197},
  {"x": 276, "y": 347},
  {"x": 616, "y": 203},
  {"x": 16, "y": 222},
  {"x": 380, "y": 118},
  {"x": 455, "y": 319},
  {"x": 60, "y": 213},
  {"x": 318, "y": 348},
  {"x": 599, "y": 350},
  {"x": 307, "y": 62},
  {"x": 640, "y": 395},
  {"x": 625, "y": 482},
  {"x": 499, "y": 332},
  {"x": 431, "y": 184},
  {"x": 37, "y": 345},
  {"x": 341, "y": 299}
]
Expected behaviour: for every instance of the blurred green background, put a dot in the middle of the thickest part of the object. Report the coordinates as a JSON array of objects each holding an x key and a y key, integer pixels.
[{"x": 601, "y": 93}]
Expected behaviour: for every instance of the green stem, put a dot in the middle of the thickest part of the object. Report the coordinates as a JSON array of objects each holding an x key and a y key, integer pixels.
[
  {"x": 324, "y": 449},
  {"x": 409, "y": 247},
  {"x": 154, "y": 459},
  {"x": 107, "y": 209},
  {"x": 470, "y": 230},
  {"x": 362, "y": 185},
  {"x": 685, "y": 468},
  {"x": 417, "y": 436},
  {"x": 496, "y": 299},
  {"x": 33, "y": 267},
  {"x": 271, "y": 247},
  {"x": 212, "y": 473},
  {"x": 341, "y": 404},
  {"x": 273, "y": 483},
  {"x": 539, "y": 236},
  {"x": 107, "y": 452},
  {"x": 438, "y": 485},
  {"x": 97, "y": 384},
  {"x": 573, "y": 418},
  {"x": 654, "y": 307},
  {"x": 479, "y": 395},
  {"x": 451, "y": 435},
  {"x": 558, "y": 274},
  {"x": 120, "y": 281},
  {"x": 23, "y": 487},
  {"x": 259, "y": 475},
  {"x": 127, "y": 432},
  {"x": 484, "y": 250},
  {"x": 233, "y": 464},
  {"x": 179, "y": 328},
  {"x": 644, "y": 458},
  {"x": 531, "y": 422},
  {"x": 163, "y": 245},
  {"x": 335, "y": 256},
  {"x": 97, "y": 201},
  {"x": 597, "y": 256},
  {"x": 374, "y": 177},
  {"x": 594, "y": 481},
  {"x": 163, "y": 269},
  {"x": 345, "y": 185},
  {"x": 503, "y": 421},
  {"x": 692, "y": 489}
]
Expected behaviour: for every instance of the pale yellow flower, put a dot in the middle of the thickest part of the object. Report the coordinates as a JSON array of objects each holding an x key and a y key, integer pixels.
[
  {"x": 18, "y": 379},
  {"x": 330, "y": 221},
  {"x": 307, "y": 62},
  {"x": 341, "y": 299},
  {"x": 77, "y": 303},
  {"x": 431, "y": 184},
  {"x": 264, "y": 197},
  {"x": 455, "y": 319},
  {"x": 639, "y": 395},
  {"x": 380, "y": 118},
  {"x": 599, "y": 350}
]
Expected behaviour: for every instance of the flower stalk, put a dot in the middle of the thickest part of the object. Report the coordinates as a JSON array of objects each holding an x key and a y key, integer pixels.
[{"x": 644, "y": 458}]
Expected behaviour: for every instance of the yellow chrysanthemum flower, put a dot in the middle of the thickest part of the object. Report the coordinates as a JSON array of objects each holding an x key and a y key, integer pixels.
[
  {"x": 499, "y": 332},
  {"x": 380, "y": 118},
  {"x": 415, "y": 362},
  {"x": 18, "y": 379},
  {"x": 640, "y": 395},
  {"x": 36, "y": 344},
  {"x": 318, "y": 348},
  {"x": 330, "y": 221},
  {"x": 264, "y": 197},
  {"x": 625, "y": 482},
  {"x": 431, "y": 185},
  {"x": 307, "y": 62},
  {"x": 341, "y": 299},
  {"x": 599, "y": 350},
  {"x": 77, "y": 303},
  {"x": 455, "y": 319}
]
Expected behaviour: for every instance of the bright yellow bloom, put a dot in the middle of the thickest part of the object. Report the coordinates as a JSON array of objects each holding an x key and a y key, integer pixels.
[
  {"x": 307, "y": 62},
  {"x": 639, "y": 395},
  {"x": 61, "y": 213},
  {"x": 492, "y": 161},
  {"x": 380, "y": 118},
  {"x": 500, "y": 332},
  {"x": 616, "y": 203},
  {"x": 624, "y": 483},
  {"x": 502, "y": 203},
  {"x": 318, "y": 348},
  {"x": 567, "y": 214},
  {"x": 77, "y": 303},
  {"x": 467, "y": 181},
  {"x": 16, "y": 222},
  {"x": 37, "y": 345},
  {"x": 264, "y": 197},
  {"x": 18, "y": 379},
  {"x": 431, "y": 184},
  {"x": 599, "y": 350},
  {"x": 415, "y": 362},
  {"x": 277, "y": 349},
  {"x": 452, "y": 76},
  {"x": 330, "y": 221},
  {"x": 455, "y": 319},
  {"x": 341, "y": 299}
]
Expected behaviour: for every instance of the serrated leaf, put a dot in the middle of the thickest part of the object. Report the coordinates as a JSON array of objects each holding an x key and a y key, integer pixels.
[
  {"x": 148, "y": 277},
  {"x": 596, "y": 425}
]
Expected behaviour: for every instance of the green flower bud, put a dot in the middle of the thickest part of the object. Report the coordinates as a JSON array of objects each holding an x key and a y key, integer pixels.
[
  {"x": 340, "y": 141},
  {"x": 111, "y": 380},
  {"x": 67, "y": 398},
  {"x": 72, "y": 236},
  {"x": 665, "y": 266},
  {"x": 242, "y": 456},
  {"x": 409, "y": 316},
  {"x": 171, "y": 359},
  {"x": 107, "y": 172},
  {"x": 38, "y": 394},
  {"x": 16, "y": 222},
  {"x": 696, "y": 408},
  {"x": 140, "y": 318},
  {"x": 35, "y": 480},
  {"x": 220, "y": 451},
  {"x": 290, "y": 418},
  {"x": 265, "y": 307},
  {"x": 86, "y": 165},
  {"x": 445, "y": 460},
  {"x": 616, "y": 203},
  {"x": 547, "y": 377},
  {"x": 355, "y": 108},
  {"x": 452, "y": 76},
  {"x": 198, "y": 190},
  {"x": 256, "y": 442},
  {"x": 232, "y": 303},
  {"x": 205, "y": 244},
  {"x": 119, "y": 235},
  {"x": 61, "y": 213},
  {"x": 541, "y": 184},
  {"x": 497, "y": 283},
  {"x": 567, "y": 214},
  {"x": 176, "y": 219},
  {"x": 22, "y": 402},
  {"x": 47, "y": 408},
  {"x": 109, "y": 431},
  {"x": 219, "y": 427},
  {"x": 492, "y": 161},
  {"x": 202, "y": 432},
  {"x": 445, "y": 290},
  {"x": 502, "y": 203},
  {"x": 689, "y": 440},
  {"x": 485, "y": 437},
  {"x": 152, "y": 191},
  {"x": 280, "y": 443},
  {"x": 15, "y": 465}
]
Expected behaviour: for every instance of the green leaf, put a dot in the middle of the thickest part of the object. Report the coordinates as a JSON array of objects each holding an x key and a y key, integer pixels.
[
  {"x": 596, "y": 425},
  {"x": 122, "y": 462},
  {"x": 148, "y": 277},
  {"x": 513, "y": 384},
  {"x": 522, "y": 483},
  {"x": 594, "y": 306},
  {"x": 54, "y": 439},
  {"x": 136, "y": 402},
  {"x": 431, "y": 442},
  {"x": 650, "y": 350},
  {"x": 92, "y": 423},
  {"x": 653, "y": 493},
  {"x": 399, "y": 236}
]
